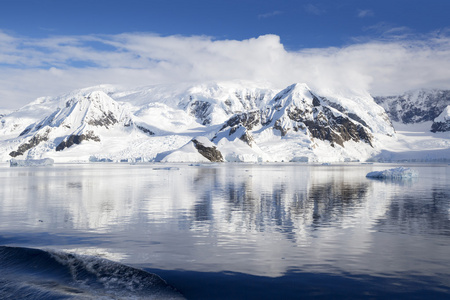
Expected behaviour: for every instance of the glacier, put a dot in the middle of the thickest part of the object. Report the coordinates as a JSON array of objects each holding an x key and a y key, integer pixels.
[
  {"x": 237, "y": 121},
  {"x": 31, "y": 162}
]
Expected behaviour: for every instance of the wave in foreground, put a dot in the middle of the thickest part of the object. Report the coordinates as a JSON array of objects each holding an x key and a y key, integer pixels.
[{"x": 27, "y": 273}]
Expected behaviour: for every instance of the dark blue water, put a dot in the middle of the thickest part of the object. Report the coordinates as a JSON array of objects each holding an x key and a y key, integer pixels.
[
  {"x": 28, "y": 273},
  {"x": 238, "y": 231}
]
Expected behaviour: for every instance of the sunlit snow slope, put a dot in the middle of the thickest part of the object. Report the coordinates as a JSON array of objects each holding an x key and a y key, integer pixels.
[{"x": 216, "y": 121}]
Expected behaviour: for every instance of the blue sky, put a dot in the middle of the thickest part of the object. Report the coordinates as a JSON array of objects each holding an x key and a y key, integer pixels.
[
  {"x": 300, "y": 24},
  {"x": 51, "y": 46}
]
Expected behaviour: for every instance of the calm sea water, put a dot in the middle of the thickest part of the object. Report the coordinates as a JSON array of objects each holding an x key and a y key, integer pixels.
[{"x": 241, "y": 231}]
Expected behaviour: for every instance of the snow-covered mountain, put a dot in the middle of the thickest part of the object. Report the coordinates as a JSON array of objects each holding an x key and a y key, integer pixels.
[
  {"x": 86, "y": 116},
  {"x": 442, "y": 122},
  {"x": 304, "y": 124},
  {"x": 216, "y": 121},
  {"x": 4, "y": 112},
  {"x": 415, "y": 106},
  {"x": 421, "y": 120}
]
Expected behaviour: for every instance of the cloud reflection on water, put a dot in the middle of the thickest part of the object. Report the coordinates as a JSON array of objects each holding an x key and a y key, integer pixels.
[{"x": 254, "y": 219}]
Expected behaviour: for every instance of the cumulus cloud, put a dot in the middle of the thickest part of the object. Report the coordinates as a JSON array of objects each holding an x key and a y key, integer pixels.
[{"x": 30, "y": 68}]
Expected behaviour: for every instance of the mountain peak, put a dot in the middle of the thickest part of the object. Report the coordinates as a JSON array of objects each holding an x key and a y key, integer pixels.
[
  {"x": 299, "y": 87},
  {"x": 246, "y": 121},
  {"x": 96, "y": 109},
  {"x": 298, "y": 94}
]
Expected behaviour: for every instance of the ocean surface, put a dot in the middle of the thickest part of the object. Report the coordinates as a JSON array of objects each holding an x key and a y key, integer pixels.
[{"x": 223, "y": 231}]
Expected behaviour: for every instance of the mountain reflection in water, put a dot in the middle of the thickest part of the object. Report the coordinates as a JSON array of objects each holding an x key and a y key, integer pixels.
[{"x": 261, "y": 220}]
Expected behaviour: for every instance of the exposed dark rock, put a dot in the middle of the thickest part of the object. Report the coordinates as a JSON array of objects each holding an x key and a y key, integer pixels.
[
  {"x": 145, "y": 130},
  {"x": 357, "y": 119},
  {"x": 316, "y": 101},
  {"x": 242, "y": 122},
  {"x": 417, "y": 107},
  {"x": 33, "y": 128},
  {"x": 33, "y": 142},
  {"x": 296, "y": 114},
  {"x": 77, "y": 139},
  {"x": 200, "y": 110},
  {"x": 280, "y": 128},
  {"x": 247, "y": 138},
  {"x": 335, "y": 105},
  {"x": 325, "y": 125},
  {"x": 440, "y": 126},
  {"x": 316, "y": 118},
  {"x": 128, "y": 123},
  {"x": 337, "y": 129},
  {"x": 107, "y": 119},
  {"x": 27, "y": 130},
  {"x": 248, "y": 120},
  {"x": 211, "y": 153}
]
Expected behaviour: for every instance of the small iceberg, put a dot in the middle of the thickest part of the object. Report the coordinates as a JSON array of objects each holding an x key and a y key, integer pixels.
[
  {"x": 395, "y": 173},
  {"x": 31, "y": 162},
  {"x": 167, "y": 168}
]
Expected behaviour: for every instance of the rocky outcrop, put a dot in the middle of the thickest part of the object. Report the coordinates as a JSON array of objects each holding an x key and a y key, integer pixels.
[
  {"x": 105, "y": 119},
  {"x": 231, "y": 122},
  {"x": 298, "y": 109},
  {"x": 76, "y": 140},
  {"x": 442, "y": 122},
  {"x": 440, "y": 126},
  {"x": 212, "y": 103},
  {"x": 31, "y": 143},
  {"x": 82, "y": 118},
  {"x": 336, "y": 130},
  {"x": 239, "y": 126},
  {"x": 201, "y": 110},
  {"x": 210, "y": 152},
  {"x": 249, "y": 120},
  {"x": 145, "y": 130}
]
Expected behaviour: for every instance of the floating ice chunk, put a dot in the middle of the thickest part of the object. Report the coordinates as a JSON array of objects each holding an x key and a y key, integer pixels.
[
  {"x": 400, "y": 172},
  {"x": 167, "y": 168},
  {"x": 31, "y": 162}
]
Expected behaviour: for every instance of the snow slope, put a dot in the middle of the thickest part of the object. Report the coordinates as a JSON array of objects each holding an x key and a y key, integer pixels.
[
  {"x": 415, "y": 143},
  {"x": 415, "y": 106},
  {"x": 236, "y": 121},
  {"x": 421, "y": 119}
]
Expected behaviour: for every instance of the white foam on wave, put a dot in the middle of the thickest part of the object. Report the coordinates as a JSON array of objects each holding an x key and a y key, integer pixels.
[{"x": 39, "y": 274}]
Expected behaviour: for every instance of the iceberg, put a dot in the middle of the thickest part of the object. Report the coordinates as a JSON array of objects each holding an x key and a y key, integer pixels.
[
  {"x": 400, "y": 172},
  {"x": 31, "y": 162}
]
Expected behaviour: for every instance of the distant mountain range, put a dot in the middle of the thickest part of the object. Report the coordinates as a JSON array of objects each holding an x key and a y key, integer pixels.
[
  {"x": 419, "y": 106},
  {"x": 216, "y": 121}
]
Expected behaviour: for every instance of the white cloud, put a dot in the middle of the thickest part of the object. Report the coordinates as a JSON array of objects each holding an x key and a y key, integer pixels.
[
  {"x": 362, "y": 13},
  {"x": 30, "y": 68},
  {"x": 391, "y": 32},
  {"x": 314, "y": 9},
  {"x": 270, "y": 14}
]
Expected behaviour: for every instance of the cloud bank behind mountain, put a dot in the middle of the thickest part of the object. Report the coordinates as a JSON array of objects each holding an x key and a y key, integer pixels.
[{"x": 32, "y": 67}]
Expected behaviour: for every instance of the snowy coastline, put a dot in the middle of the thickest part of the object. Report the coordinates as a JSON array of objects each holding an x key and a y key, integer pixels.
[{"x": 230, "y": 122}]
